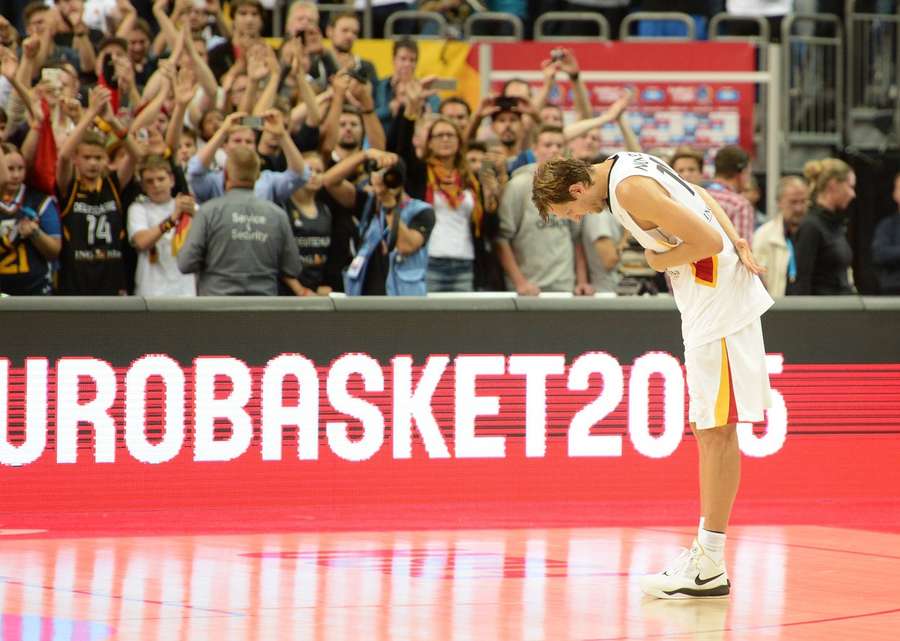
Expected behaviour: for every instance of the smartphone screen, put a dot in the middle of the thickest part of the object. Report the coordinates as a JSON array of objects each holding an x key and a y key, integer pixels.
[{"x": 444, "y": 84}]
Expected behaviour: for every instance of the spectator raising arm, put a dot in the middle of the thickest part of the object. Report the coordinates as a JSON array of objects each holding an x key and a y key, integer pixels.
[
  {"x": 81, "y": 43},
  {"x": 340, "y": 84},
  {"x": 614, "y": 113},
  {"x": 202, "y": 73},
  {"x": 374, "y": 131},
  {"x": 335, "y": 179},
  {"x": 569, "y": 66},
  {"x": 284, "y": 183},
  {"x": 129, "y": 18},
  {"x": 184, "y": 94},
  {"x": 267, "y": 98},
  {"x": 97, "y": 102},
  {"x": 207, "y": 152}
]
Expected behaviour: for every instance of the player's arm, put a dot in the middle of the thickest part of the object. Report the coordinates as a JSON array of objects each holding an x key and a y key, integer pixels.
[
  {"x": 646, "y": 200},
  {"x": 740, "y": 244}
]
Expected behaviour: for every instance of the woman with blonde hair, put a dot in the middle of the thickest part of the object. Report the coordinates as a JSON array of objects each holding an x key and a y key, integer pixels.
[{"x": 822, "y": 250}]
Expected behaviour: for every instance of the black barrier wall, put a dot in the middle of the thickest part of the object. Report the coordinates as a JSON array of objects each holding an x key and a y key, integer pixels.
[{"x": 805, "y": 330}]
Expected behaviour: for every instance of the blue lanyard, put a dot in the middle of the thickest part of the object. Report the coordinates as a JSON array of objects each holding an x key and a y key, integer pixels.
[{"x": 792, "y": 261}]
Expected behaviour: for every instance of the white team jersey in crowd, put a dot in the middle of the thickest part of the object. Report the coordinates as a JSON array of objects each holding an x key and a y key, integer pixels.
[{"x": 716, "y": 296}]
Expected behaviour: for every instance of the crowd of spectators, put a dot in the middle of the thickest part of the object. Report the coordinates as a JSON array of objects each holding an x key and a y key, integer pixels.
[{"x": 193, "y": 157}]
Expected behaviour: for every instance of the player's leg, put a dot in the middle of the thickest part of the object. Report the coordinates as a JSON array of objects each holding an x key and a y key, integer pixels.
[
  {"x": 700, "y": 571},
  {"x": 720, "y": 474}
]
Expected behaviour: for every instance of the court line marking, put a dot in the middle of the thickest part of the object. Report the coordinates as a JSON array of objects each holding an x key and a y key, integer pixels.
[
  {"x": 119, "y": 597},
  {"x": 670, "y": 635},
  {"x": 750, "y": 539}
]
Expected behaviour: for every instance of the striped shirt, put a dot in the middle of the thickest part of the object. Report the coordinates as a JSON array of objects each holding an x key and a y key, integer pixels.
[{"x": 736, "y": 207}]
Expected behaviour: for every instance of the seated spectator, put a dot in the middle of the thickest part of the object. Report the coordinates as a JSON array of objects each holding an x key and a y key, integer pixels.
[
  {"x": 886, "y": 248},
  {"x": 732, "y": 173},
  {"x": 539, "y": 256},
  {"x": 394, "y": 228},
  {"x": 239, "y": 244},
  {"x": 688, "y": 163},
  {"x": 774, "y": 241},
  {"x": 157, "y": 226},
  {"x": 276, "y": 186},
  {"x": 823, "y": 252},
  {"x": 93, "y": 221},
  {"x": 29, "y": 231},
  {"x": 459, "y": 256}
]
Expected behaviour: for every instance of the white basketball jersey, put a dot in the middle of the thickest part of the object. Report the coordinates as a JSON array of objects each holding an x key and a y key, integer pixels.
[{"x": 716, "y": 296}]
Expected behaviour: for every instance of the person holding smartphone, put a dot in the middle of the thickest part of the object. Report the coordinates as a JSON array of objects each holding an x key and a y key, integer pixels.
[{"x": 237, "y": 130}]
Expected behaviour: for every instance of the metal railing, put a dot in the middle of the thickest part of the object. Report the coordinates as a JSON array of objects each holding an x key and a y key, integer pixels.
[
  {"x": 417, "y": 17},
  {"x": 658, "y": 16},
  {"x": 582, "y": 17},
  {"x": 813, "y": 79},
  {"x": 718, "y": 32},
  {"x": 496, "y": 20},
  {"x": 873, "y": 74}
]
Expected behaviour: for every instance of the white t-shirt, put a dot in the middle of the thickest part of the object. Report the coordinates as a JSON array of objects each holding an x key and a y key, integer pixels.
[
  {"x": 160, "y": 278},
  {"x": 451, "y": 236}
]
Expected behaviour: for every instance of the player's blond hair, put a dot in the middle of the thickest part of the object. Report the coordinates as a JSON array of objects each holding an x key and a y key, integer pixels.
[
  {"x": 820, "y": 172},
  {"x": 552, "y": 180}
]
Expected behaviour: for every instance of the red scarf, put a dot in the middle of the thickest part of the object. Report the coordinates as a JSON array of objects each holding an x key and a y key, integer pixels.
[
  {"x": 450, "y": 183},
  {"x": 43, "y": 174},
  {"x": 113, "y": 94}
]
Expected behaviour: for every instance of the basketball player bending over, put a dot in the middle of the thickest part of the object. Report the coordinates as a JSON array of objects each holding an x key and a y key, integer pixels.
[{"x": 714, "y": 280}]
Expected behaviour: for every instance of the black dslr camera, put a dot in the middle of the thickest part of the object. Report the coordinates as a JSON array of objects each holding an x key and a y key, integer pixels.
[{"x": 393, "y": 177}]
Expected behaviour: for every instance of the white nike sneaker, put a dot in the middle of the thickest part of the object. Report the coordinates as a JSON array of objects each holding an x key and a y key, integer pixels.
[{"x": 693, "y": 575}]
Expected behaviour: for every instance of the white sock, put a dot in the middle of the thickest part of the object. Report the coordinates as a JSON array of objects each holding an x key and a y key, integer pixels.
[{"x": 713, "y": 544}]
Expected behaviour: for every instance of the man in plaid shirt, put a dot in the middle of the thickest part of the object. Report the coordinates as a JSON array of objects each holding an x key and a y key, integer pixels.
[{"x": 732, "y": 175}]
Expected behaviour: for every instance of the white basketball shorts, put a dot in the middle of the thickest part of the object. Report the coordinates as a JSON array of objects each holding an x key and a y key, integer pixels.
[{"x": 727, "y": 379}]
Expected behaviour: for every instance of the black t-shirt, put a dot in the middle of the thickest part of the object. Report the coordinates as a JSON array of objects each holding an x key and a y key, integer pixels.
[
  {"x": 313, "y": 236},
  {"x": 93, "y": 226},
  {"x": 344, "y": 234}
]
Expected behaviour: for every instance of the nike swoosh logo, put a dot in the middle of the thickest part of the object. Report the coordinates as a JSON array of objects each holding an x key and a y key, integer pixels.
[{"x": 700, "y": 581}]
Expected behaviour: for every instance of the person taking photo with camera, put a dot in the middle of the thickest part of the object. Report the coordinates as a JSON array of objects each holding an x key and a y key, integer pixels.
[{"x": 394, "y": 228}]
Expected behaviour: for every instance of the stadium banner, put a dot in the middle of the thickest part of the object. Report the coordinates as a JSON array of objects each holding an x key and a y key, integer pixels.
[
  {"x": 265, "y": 407},
  {"x": 665, "y": 115}
]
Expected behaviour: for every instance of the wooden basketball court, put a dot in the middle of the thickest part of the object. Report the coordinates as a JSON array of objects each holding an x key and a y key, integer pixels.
[{"x": 789, "y": 582}]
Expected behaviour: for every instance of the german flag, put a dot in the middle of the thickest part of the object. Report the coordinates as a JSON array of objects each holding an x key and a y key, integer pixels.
[{"x": 181, "y": 232}]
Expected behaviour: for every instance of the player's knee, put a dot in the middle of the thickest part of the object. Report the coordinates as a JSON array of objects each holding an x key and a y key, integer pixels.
[{"x": 724, "y": 436}]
